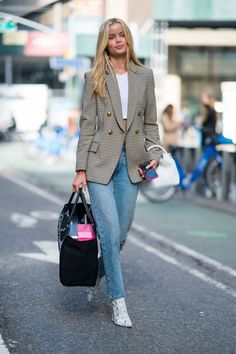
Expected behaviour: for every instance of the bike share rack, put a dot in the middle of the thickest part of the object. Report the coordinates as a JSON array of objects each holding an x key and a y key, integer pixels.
[
  {"x": 227, "y": 191},
  {"x": 228, "y": 186}
]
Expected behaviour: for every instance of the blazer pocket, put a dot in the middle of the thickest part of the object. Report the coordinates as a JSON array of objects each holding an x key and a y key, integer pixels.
[{"x": 94, "y": 146}]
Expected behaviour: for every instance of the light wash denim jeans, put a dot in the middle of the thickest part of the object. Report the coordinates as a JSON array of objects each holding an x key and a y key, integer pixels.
[{"x": 113, "y": 207}]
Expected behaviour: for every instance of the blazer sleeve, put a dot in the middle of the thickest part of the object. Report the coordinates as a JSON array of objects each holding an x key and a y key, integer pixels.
[
  {"x": 87, "y": 123},
  {"x": 151, "y": 129}
]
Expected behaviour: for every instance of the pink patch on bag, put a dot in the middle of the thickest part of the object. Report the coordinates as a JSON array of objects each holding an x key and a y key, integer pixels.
[{"x": 85, "y": 232}]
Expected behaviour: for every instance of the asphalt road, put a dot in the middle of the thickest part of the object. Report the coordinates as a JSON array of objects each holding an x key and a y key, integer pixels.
[{"x": 179, "y": 302}]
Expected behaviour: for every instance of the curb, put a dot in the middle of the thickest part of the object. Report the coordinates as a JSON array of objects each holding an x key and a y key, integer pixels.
[{"x": 209, "y": 203}]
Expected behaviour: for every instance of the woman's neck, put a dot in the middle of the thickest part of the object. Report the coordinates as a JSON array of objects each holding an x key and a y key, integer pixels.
[{"x": 119, "y": 65}]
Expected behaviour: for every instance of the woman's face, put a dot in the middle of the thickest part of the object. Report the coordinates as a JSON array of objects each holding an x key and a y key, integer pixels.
[{"x": 117, "y": 44}]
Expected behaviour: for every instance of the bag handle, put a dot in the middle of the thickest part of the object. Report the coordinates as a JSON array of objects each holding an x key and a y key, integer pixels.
[
  {"x": 74, "y": 206},
  {"x": 80, "y": 194},
  {"x": 71, "y": 198},
  {"x": 86, "y": 206},
  {"x": 158, "y": 146}
]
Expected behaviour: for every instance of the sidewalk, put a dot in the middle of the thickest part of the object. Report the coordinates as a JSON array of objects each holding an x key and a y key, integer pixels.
[{"x": 208, "y": 203}]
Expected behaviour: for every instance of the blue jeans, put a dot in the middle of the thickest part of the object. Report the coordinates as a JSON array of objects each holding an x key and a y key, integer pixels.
[{"x": 113, "y": 207}]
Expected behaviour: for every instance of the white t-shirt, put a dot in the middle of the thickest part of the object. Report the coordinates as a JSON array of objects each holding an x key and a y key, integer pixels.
[{"x": 123, "y": 87}]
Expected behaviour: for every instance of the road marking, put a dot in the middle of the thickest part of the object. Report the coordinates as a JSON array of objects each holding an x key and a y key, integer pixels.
[
  {"x": 174, "y": 245},
  {"x": 23, "y": 221},
  {"x": 49, "y": 252},
  {"x": 184, "y": 249},
  {"x": 3, "y": 348},
  {"x": 30, "y": 187},
  {"x": 44, "y": 215},
  {"x": 182, "y": 266},
  {"x": 206, "y": 234},
  {"x": 29, "y": 221}
]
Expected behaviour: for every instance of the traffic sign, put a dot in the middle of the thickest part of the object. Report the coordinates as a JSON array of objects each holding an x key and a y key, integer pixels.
[{"x": 77, "y": 63}]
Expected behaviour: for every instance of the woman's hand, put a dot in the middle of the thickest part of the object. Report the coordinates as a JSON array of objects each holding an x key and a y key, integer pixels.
[
  {"x": 153, "y": 163},
  {"x": 79, "y": 180}
]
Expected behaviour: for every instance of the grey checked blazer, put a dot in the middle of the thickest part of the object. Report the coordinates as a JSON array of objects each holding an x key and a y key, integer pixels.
[{"x": 102, "y": 129}]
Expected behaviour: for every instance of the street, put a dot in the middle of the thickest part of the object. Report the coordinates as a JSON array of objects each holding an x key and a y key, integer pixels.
[
  {"x": 179, "y": 270},
  {"x": 91, "y": 91}
]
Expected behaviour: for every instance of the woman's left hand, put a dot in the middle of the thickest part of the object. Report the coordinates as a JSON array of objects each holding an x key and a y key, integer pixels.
[{"x": 153, "y": 164}]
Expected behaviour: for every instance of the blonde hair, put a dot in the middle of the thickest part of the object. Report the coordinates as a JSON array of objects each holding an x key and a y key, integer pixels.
[{"x": 102, "y": 56}]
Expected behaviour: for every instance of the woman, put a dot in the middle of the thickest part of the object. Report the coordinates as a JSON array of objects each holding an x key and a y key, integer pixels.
[
  {"x": 117, "y": 125},
  {"x": 209, "y": 119},
  {"x": 170, "y": 127}
]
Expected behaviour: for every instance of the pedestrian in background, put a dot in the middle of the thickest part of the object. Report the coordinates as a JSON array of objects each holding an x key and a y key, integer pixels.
[
  {"x": 170, "y": 127},
  {"x": 117, "y": 125},
  {"x": 209, "y": 119}
]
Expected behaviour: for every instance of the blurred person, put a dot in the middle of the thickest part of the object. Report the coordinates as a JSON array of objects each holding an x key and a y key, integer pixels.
[
  {"x": 170, "y": 127},
  {"x": 72, "y": 125},
  {"x": 12, "y": 126},
  {"x": 209, "y": 119},
  {"x": 117, "y": 125},
  {"x": 8, "y": 127},
  {"x": 42, "y": 127}
]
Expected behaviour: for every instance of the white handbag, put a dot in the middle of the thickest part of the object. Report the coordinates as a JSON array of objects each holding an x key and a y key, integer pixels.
[{"x": 168, "y": 175}]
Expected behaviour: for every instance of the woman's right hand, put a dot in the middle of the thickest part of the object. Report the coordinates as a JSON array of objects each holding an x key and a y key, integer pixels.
[{"x": 79, "y": 180}]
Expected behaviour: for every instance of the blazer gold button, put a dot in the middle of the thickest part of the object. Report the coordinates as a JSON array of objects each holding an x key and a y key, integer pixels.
[
  {"x": 136, "y": 131},
  {"x": 139, "y": 114},
  {"x": 110, "y": 131},
  {"x": 108, "y": 114}
]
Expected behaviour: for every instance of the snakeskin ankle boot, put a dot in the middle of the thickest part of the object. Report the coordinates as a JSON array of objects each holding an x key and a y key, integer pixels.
[{"x": 120, "y": 315}]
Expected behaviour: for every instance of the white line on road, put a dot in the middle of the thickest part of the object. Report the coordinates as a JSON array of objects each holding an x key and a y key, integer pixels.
[
  {"x": 44, "y": 215},
  {"x": 185, "y": 250},
  {"x": 182, "y": 266},
  {"x": 139, "y": 228},
  {"x": 22, "y": 220},
  {"x": 3, "y": 348},
  {"x": 49, "y": 252},
  {"x": 30, "y": 187}
]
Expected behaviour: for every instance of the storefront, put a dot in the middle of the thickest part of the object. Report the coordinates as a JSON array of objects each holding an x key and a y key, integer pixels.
[{"x": 200, "y": 36}]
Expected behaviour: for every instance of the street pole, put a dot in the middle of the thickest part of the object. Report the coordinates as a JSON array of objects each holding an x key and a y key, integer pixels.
[
  {"x": 159, "y": 57},
  {"x": 26, "y": 22},
  {"x": 8, "y": 70}
]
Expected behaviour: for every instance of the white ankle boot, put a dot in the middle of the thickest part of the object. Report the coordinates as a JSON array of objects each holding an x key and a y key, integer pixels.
[
  {"x": 120, "y": 315},
  {"x": 92, "y": 291}
]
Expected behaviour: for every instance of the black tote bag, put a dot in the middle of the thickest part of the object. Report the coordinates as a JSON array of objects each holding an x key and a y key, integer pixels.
[{"x": 78, "y": 261}]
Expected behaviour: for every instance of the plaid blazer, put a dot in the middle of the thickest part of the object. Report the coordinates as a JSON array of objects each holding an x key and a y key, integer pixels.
[{"x": 102, "y": 129}]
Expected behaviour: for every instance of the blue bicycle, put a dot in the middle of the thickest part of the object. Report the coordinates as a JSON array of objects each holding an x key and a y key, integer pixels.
[{"x": 208, "y": 166}]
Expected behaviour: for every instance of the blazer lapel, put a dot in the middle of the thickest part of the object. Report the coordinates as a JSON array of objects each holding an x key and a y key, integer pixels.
[
  {"x": 133, "y": 95},
  {"x": 114, "y": 94}
]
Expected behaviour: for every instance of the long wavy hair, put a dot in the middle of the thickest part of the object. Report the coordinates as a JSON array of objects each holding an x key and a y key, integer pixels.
[{"x": 102, "y": 60}]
